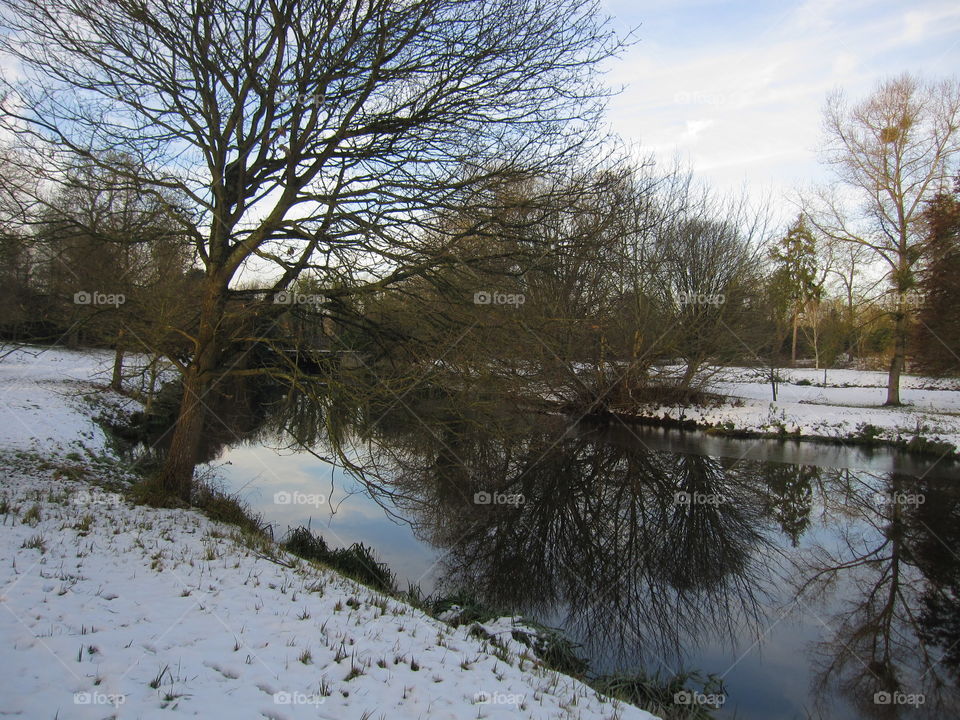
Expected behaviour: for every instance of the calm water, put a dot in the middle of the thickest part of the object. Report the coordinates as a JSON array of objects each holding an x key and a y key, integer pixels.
[{"x": 808, "y": 577}]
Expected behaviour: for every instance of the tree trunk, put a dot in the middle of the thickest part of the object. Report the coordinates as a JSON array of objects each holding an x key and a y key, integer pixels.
[
  {"x": 899, "y": 353},
  {"x": 152, "y": 373},
  {"x": 853, "y": 334},
  {"x": 688, "y": 376},
  {"x": 793, "y": 347},
  {"x": 176, "y": 476},
  {"x": 116, "y": 382},
  {"x": 636, "y": 375},
  {"x": 816, "y": 338}
]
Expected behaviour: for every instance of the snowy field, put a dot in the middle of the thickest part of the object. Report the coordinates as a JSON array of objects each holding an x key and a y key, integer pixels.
[
  {"x": 48, "y": 399},
  {"x": 849, "y": 400},
  {"x": 112, "y": 610}
]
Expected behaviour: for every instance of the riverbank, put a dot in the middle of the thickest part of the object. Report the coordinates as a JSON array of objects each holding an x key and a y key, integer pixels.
[
  {"x": 120, "y": 610},
  {"x": 847, "y": 408}
]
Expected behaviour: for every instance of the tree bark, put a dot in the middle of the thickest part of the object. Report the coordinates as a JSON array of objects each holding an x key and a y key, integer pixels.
[
  {"x": 176, "y": 476},
  {"x": 793, "y": 347},
  {"x": 116, "y": 382},
  {"x": 816, "y": 336},
  {"x": 899, "y": 353},
  {"x": 689, "y": 373},
  {"x": 152, "y": 374}
]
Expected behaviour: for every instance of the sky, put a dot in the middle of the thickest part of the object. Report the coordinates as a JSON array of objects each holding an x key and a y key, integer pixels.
[{"x": 737, "y": 88}]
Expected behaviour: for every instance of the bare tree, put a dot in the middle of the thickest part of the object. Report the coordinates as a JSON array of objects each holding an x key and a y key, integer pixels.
[
  {"x": 707, "y": 264},
  {"x": 97, "y": 234},
  {"x": 310, "y": 134},
  {"x": 845, "y": 279},
  {"x": 889, "y": 152}
]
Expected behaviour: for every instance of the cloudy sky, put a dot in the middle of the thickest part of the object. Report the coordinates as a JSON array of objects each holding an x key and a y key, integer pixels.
[{"x": 736, "y": 88}]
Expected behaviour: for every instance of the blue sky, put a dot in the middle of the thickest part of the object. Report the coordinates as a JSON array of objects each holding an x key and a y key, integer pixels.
[{"x": 736, "y": 88}]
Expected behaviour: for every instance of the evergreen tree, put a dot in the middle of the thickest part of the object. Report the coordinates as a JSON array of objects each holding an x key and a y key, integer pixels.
[
  {"x": 937, "y": 334},
  {"x": 795, "y": 256}
]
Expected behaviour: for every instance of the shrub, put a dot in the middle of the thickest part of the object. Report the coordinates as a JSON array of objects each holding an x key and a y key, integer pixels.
[
  {"x": 357, "y": 561},
  {"x": 555, "y": 650},
  {"x": 868, "y": 433},
  {"x": 303, "y": 543},
  {"x": 222, "y": 506},
  {"x": 469, "y": 608},
  {"x": 658, "y": 695},
  {"x": 208, "y": 497}
]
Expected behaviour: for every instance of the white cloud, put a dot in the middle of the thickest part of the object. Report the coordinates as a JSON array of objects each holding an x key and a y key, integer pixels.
[
  {"x": 694, "y": 128},
  {"x": 740, "y": 91}
]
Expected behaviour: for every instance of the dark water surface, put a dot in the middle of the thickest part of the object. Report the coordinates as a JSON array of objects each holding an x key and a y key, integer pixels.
[{"x": 817, "y": 581}]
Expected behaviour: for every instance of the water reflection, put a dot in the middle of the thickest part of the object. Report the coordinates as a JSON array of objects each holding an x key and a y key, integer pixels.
[
  {"x": 641, "y": 550},
  {"x": 890, "y": 637},
  {"x": 655, "y": 557},
  {"x": 652, "y": 554}
]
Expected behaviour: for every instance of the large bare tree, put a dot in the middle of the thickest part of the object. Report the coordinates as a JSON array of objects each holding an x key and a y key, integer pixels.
[
  {"x": 890, "y": 152},
  {"x": 315, "y": 135}
]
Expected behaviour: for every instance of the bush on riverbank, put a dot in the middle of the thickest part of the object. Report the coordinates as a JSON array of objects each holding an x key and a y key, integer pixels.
[
  {"x": 356, "y": 562},
  {"x": 671, "y": 698}
]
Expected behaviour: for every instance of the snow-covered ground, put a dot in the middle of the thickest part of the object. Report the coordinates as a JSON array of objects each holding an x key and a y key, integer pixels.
[
  {"x": 48, "y": 399},
  {"x": 849, "y": 400},
  {"x": 115, "y": 610}
]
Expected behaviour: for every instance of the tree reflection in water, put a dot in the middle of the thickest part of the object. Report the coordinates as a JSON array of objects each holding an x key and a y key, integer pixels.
[
  {"x": 643, "y": 552},
  {"x": 895, "y": 570},
  {"x": 643, "y": 575}
]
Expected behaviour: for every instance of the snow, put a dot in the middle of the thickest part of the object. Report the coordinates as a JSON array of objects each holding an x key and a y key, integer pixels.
[
  {"x": 850, "y": 399},
  {"x": 47, "y": 400},
  {"x": 116, "y": 610}
]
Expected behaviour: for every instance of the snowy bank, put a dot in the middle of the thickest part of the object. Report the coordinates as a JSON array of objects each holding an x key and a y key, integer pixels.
[
  {"x": 116, "y": 610},
  {"x": 848, "y": 406},
  {"x": 49, "y": 398}
]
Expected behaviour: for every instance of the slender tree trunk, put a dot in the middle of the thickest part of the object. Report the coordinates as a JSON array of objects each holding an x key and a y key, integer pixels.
[
  {"x": 852, "y": 344},
  {"x": 899, "y": 353},
  {"x": 793, "y": 347},
  {"x": 116, "y": 382},
  {"x": 636, "y": 375},
  {"x": 152, "y": 374},
  {"x": 176, "y": 476},
  {"x": 816, "y": 337}
]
